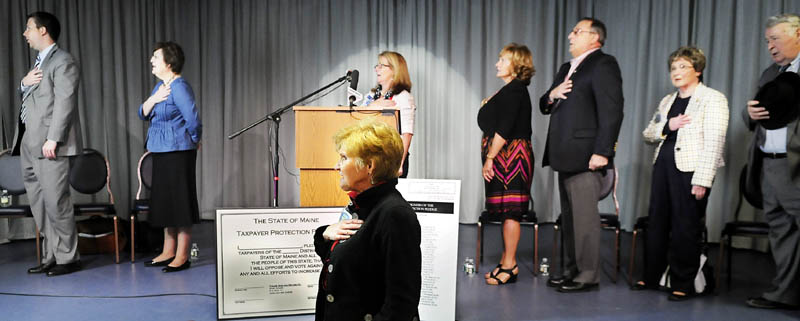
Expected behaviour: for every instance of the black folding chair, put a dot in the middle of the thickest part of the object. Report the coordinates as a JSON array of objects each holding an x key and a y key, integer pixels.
[
  {"x": 142, "y": 203},
  {"x": 739, "y": 228},
  {"x": 11, "y": 180},
  {"x": 89, "y": 173}
]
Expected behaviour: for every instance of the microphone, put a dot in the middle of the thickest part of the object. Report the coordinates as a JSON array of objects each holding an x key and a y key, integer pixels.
[
  {"x": 352, "y": 92},
  {"x": 355, "y": 97}
]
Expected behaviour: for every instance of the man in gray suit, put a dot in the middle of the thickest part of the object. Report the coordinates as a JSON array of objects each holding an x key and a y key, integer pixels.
[
  {"x": 774, "y": 169},
  {"x": 48, "y": 132}
]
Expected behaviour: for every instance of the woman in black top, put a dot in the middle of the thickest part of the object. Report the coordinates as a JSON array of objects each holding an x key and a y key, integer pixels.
[
  {"x": 371, "y": 258},
  {"x": 505, "y": 119}
]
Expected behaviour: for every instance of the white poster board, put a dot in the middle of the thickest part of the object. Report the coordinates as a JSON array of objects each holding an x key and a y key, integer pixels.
[
  {"x": 266, "y": 263},
  {"x": 437, "y": 205}
]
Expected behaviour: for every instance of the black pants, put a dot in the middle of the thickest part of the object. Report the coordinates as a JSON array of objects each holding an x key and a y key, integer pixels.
[{"x": 673, "y": 236}]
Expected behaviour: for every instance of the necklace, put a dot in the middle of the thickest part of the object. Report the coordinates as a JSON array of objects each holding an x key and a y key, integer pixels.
[{"x": 171, "y": 79}]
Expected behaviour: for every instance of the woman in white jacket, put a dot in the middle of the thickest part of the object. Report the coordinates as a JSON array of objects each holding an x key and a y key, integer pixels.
[{"x": 689, "y": 127}]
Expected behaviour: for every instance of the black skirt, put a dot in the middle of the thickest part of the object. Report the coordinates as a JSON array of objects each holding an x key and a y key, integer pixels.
[{"x": 173, "y": 195}]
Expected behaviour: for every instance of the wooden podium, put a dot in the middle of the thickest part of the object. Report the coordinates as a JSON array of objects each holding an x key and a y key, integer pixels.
[{"x": 316, "y": 153}]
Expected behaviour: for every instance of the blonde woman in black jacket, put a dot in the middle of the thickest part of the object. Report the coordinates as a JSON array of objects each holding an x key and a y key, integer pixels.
[{"x": 372, "y": 260}]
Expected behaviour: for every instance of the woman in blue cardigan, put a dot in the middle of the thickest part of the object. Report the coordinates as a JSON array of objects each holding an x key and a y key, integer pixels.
[{"x": 173, "y": 138}]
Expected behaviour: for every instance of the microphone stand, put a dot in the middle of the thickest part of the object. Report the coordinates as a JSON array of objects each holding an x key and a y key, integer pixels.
[{"x": 275, "y": 117}]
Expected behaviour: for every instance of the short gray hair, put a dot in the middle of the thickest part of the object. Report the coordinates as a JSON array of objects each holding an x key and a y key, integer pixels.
[{"x": 792, "y": 19}]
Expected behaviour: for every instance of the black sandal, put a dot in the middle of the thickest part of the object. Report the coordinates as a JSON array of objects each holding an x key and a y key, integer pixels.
[
  {"x": 511, "y": 279},
  {"x": 491, "y": 273}
]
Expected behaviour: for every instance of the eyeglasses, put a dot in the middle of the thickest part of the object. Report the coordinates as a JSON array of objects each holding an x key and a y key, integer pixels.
[
  {"x": 579, "y": 30},
  {"x": 680, "y": 67},
  {"x": 382, "y": 66}
]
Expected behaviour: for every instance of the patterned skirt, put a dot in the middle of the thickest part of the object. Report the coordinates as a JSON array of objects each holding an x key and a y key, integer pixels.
[{"x": 509, "y": 192}]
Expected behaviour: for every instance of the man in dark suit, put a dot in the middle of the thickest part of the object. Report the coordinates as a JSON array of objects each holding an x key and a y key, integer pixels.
[
  {"x": 774, "y": 169},
  {"x": 48, "y": 132},
  {"x": 585, "y": 106}
]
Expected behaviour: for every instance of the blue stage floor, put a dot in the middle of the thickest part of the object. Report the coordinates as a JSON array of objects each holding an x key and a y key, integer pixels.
[{"x": 107, "y": 291}]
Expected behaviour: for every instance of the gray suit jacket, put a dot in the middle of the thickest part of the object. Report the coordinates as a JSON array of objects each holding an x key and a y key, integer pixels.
[
  {"x": 52, "y": 108},
  {"x": 753, "y": 178}
]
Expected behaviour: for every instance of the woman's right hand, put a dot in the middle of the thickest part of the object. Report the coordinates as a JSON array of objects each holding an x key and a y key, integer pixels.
[
  {"x": 488, "y": 170},
  {"x": 383, "y": 103},
  {"x": 679, "y": 121},
  {"x": 161, "y": 94},
  {"x": 342, "y": 230}
]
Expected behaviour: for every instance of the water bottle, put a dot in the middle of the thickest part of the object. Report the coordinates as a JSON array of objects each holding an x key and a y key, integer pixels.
[
  {"x": 544, "y": 268},
  {"x": 469, "y": 266},
  {"x": 5, "y": 199},
  {"x": 194, "y": 253}
]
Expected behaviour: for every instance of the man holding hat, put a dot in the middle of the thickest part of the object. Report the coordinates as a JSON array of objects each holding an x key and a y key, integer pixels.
[{"x": 773, "y": 172}]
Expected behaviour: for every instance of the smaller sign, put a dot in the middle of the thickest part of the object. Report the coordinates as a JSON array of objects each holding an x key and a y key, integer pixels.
[
  {"x": 436, "y": 203},
  {"x": 266, "y": 263}
]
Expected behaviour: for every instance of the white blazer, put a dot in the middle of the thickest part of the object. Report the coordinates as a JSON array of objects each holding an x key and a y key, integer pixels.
[{"x": 699, "y": 145}]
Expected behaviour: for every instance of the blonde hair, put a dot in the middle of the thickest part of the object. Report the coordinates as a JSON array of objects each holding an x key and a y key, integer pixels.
[
  {"x": 401, "y": 80},
  {"x": 372, "y": 142},
  {"x": 521, "y": 61}
]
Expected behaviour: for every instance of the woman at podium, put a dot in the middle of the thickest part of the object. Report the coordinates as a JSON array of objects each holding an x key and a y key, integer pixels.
[
  {"x": 505, "y": 120},
  {"x": 371, "y": 258},
  {"x": 394, "y": 90},
  {"x": 172, "y": 138}
]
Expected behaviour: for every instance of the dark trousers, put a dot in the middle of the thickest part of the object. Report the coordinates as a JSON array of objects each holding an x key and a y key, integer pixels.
[
  {"x": 782, "y": 210},
  {"x": 676, "y": 225}
]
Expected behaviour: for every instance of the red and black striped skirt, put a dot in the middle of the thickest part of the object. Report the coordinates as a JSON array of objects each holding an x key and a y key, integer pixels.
[{"x": 509, "y": 192}]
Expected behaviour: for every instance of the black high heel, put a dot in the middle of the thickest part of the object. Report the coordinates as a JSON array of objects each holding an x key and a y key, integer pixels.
[
  {"x": 491, "y": 273},
  {"x": 152, "y": 263},
  {"x": 182, "y": 267},
  {"x": 511, "y": 279},
  {"x": 639, "y": 286}
]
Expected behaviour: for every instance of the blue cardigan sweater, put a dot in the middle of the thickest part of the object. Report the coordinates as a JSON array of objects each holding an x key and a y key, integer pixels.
[{"x": 174, "y": 123}]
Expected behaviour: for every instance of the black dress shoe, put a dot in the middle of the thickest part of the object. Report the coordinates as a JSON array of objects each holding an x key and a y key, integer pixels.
[
  {"x": 557, "y": 281},
  {"x": 42, "y": 268},
  {"x": 159, "y": 263},
  {"x": 762, "y": 303},
  {"x": 572, "y": 287},
  {"x": 641, "y": 286},
  {"x": 677, "y": 297},
  {"x": 182, "y": 267},
  {"x": 61, "y": 269}
]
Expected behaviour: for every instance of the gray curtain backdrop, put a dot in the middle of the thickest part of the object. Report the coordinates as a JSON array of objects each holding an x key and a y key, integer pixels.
[{"x": 247, "y": 58}]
